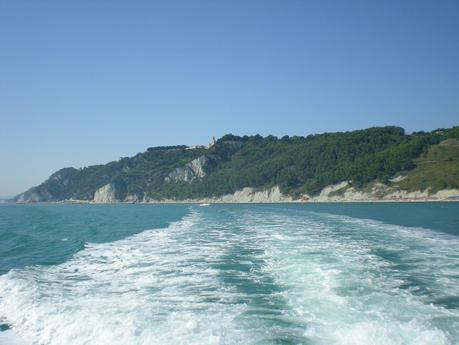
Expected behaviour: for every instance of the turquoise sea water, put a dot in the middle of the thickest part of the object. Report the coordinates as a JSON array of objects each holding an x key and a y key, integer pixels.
[{"x": 230, "y": 274}]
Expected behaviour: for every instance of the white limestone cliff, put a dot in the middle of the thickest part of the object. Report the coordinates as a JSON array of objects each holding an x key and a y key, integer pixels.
[
  {"x": 105, "y": 194},
  {"x": 191, "y": 171}
]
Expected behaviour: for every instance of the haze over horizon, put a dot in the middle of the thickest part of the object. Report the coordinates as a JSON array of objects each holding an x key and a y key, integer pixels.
[{"x": 85, "y": 83}]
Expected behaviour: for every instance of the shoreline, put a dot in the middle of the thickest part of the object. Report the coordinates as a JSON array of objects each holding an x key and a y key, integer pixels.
[
  {"x": 249, "y": 195},
  {"x": 198, "y": 202}
]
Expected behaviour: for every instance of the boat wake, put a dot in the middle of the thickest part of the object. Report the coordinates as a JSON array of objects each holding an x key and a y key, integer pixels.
[{"x": 245, "y": 276}]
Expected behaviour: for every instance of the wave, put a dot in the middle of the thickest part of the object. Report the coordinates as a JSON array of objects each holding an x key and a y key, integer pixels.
[
  {"x": 346, "y": 291},
  {"x": 245, "y": 276},
  {"x": 139, "y": 290}
]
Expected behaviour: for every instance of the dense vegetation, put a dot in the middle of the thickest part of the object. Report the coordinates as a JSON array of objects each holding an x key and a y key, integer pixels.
[
  {"x": 297, "y": 164},
  {"x": 437, "y": 169}
]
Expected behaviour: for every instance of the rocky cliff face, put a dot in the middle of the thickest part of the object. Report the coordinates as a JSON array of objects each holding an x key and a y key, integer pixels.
[
  {"x": 53, "y": 189},
  {"x": 105, "y": 194},
  {"x": 250, "y": 195},
  {"x": 377, "y": 191},
  {"x": 34, "y": 195},
  {"x": 245, "y": 195},
  {"x": 191, "y": 171}
]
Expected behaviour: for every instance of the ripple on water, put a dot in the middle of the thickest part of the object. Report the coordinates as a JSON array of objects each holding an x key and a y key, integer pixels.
[{"x": 247, "y": 276}]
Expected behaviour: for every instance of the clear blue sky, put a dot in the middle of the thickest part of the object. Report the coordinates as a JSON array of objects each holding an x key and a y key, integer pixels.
[{"x": 86, "y": 82}]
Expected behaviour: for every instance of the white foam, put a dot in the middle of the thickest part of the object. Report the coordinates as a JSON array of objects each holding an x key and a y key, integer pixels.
[
  {"x": 167, "y": 286},
  {"x": 156, "y": 287},
  {"x": 9, "y": 337},
  {"x": 345, "y": 293}
]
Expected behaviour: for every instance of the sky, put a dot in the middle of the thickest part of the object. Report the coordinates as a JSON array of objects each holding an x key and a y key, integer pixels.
[{"x": 87, "y": 82}]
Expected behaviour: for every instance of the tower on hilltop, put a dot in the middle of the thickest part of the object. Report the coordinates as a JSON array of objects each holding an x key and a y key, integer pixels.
[{"x": 212, "y": 142}]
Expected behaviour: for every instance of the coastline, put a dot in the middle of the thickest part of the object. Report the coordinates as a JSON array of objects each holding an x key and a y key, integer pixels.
[
  {"x": 338, "y": 193},
  {"x": 198, "y": 202}
]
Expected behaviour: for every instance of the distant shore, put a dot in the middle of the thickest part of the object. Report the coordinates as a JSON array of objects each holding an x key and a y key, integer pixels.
[
  {"x": 338, "y": 193},
  {"x": 198, "y": 202}
]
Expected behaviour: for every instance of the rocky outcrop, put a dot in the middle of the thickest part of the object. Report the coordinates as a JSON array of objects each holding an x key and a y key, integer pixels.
[
  {"x": 133, "y": 198},
  {"x": 250, "y": 195},
  {"x": 34, "y": 195},
  {"x": 330, "y": 190},
  {"x": 105, "y": 194},
  {"x": 53, "y": 189},
  {"x": 443, "y": 194},
  {"x": 340, "y": 192},
  {"x": 245, "y": 195},
  {"x": 191, "y": 171},
  {"x": 398, "y": 178},
  {"x": 343, "y": 191}
]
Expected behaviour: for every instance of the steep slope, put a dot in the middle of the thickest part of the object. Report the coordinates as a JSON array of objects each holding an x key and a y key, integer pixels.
[
  {"x": 298, "y": 165},
  {"x": 435, "y": 170}
]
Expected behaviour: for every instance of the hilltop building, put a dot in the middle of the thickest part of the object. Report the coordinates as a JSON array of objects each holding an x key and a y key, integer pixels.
[{"x": 212, "y": 142}]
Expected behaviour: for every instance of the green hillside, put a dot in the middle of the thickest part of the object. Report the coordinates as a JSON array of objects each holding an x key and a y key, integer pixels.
[
  {"x": 438, "y": 168},
  {"x": 297, "y": 164}
]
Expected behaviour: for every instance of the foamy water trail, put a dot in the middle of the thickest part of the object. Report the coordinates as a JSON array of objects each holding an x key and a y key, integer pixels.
[
  {"x": 156, "y": 287},
  {"x": 339, "y": 278},
  {"x": 246, "y": 276}
]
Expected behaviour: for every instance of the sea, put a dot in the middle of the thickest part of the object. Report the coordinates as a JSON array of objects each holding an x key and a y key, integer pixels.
[{"x": 347, "y": 274}]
